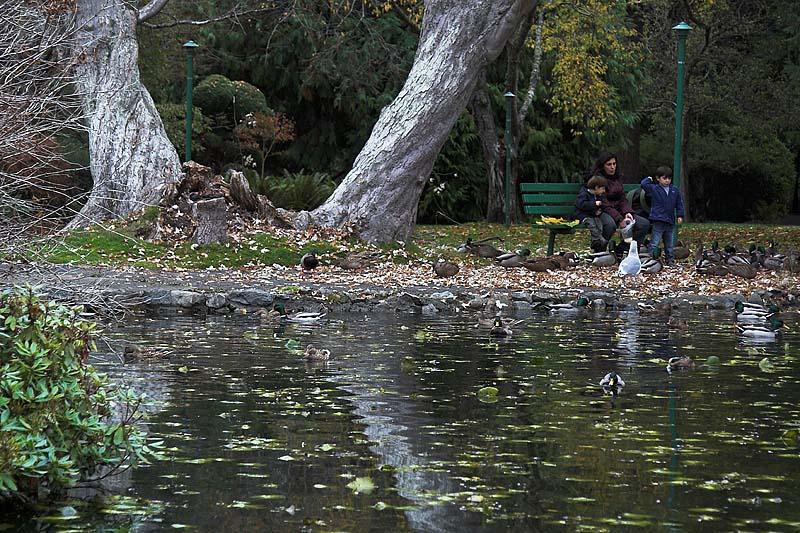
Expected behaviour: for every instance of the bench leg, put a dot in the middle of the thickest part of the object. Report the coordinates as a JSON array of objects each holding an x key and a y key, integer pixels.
[{"x": 551, "y": 242}]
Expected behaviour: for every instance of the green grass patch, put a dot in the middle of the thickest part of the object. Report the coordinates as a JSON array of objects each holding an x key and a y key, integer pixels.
[{"x": 121, "y": 247}]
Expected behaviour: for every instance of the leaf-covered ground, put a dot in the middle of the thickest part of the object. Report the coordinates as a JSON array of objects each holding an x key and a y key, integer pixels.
[{"x": 257, "y": 252}]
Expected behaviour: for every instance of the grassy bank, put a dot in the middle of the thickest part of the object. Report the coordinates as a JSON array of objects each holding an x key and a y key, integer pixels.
[{"x": 118, "y": 245}]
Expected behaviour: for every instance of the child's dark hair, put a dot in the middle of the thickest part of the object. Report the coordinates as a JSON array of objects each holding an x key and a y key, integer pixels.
[
  {"x": 596, "y": 181},
  {"x": 663, "y": 171}
]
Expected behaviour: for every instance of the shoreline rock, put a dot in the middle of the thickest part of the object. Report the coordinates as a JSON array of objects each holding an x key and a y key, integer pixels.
[{"x": 168, "y": 292}]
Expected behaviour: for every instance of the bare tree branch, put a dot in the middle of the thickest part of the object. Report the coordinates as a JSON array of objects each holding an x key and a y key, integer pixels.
[
  {"x": 535, "y": 69},
  {"x": 234, "y": 13},
  {"x": 151, "y": 9}
]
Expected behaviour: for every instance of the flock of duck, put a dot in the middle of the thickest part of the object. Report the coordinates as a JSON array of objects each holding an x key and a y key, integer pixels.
[
  {"x": 732, "y": 259},
  {"x": 752, "y": 320}
]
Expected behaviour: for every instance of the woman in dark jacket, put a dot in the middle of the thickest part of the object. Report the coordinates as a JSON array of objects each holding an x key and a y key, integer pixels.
[{"x": 617, "y": 204}]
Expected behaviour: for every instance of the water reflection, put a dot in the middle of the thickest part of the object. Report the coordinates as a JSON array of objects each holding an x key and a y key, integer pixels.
[{"x": 261, "y": 441}]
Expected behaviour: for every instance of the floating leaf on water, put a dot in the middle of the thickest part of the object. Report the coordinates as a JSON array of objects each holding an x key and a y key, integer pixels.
[
  {"x": 488, "y": 394},
  {"x": 292, "y": 344},
  {"x": 327, "y": 447},
  {"x": 286, "y": 458},
  {"x": 380, "y": 506},
  {"x": 712, "y": 360},
  {"x": 361, "y": 485},
  {"x": 766, "y": 365},
  {"x": 183, "y": 370},
  {"x": 423, "y": 335}
]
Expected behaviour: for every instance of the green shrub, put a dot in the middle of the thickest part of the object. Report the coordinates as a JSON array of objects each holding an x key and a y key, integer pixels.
[
  {"x": 59, "y": 419},
  {"x": 217, "y": 95},
  {"x": 297, "y": 191},
  {"x": 174, "y": 118}
]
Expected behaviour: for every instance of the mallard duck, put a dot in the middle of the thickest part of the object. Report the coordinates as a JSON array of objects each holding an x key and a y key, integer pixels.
[
  {"x": 133, "y": 353},
  {"x": 710, "y": 267},
  {"x": 309, "y": 261},
  {"x": 357, "y": 261},
  {"x": 742, "y": 270},
  {"x": 612, "y": 383},
  {"x": 679, "y": 363},
  {"x": 489, "y": 322},
  {"x": 678, "y": 323},
  {"x": 653, "y": 265},
  {"x": 572, "y": 307},
  {"x": 541, "y": 264},
  {"x": 749, "y": 312},
  {"x": 681, "y": 251},
  {"x": 513, "y": 259},
  {"x": 715, "y": 254},
  {"x": 316, "y": 354},
  {"x": 764, "y": 332},
  {"x": 278, "y": 312},
  {"x": 445, "y": 269},
  {"x": 602, "y": 259},
  {"x": 302, "y": 317},
  {"x": 481, "y": 248},
  {"x": 499, "y": 329}
]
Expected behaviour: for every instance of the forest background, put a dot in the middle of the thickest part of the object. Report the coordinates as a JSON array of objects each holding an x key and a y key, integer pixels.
[{"x": 289, "y": 95}]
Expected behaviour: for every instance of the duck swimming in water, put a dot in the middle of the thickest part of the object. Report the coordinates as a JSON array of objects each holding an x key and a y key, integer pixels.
[
  {"x": 316, "y": 354},
  {"x": 499, "y": 329},
  {"x": 679, "y": 363},
  {"x": 612, "y": 383}
]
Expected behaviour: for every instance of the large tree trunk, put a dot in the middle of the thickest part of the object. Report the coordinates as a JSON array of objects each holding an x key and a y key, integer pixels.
[
  {"x": 481, "y": 111},
  {"x": 131, "y": 158},
  {"x": 379, "y": 196}
]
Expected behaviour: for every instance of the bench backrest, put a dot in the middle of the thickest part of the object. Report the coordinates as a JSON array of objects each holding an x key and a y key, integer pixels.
[{"x": 556, "y": 199}]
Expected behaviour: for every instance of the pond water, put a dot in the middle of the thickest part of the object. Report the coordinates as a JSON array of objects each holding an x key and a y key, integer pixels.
[{"x": 392, "y": 436}]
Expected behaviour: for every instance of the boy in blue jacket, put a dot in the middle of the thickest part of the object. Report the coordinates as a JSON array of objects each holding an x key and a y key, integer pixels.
[
  {"x": 590, "y": 210},
  {"x": 665, "y": 201}
]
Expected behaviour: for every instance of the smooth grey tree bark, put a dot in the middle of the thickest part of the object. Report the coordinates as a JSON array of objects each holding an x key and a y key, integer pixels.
[
  {"x": 379, "y": 196},
  {"x": 131, "y": 158}
]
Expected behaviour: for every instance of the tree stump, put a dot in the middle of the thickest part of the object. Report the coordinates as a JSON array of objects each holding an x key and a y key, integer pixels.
[
  {"x": 242, "y": 194},
  {"x": 212, "y": 226}
]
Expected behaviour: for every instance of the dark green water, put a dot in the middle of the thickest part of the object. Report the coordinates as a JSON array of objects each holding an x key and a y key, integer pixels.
[{"x": 391, "y": 435}]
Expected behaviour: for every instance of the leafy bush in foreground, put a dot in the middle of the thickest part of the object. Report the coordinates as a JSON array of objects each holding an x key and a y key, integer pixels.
[{"x": 59, "y": 419}]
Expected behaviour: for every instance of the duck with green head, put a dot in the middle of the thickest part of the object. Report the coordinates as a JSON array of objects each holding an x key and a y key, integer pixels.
[
  {"x": 765, "y": 332},
  {"x": 302, "y": 317},
  {"x": 569, "y": 308},
  {"x": 751, "y": 312},
  {"x": 612, "y": 383}
]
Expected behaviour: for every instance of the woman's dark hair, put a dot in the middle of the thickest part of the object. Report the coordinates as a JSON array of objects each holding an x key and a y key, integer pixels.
[{"x": 597, "y": 169}]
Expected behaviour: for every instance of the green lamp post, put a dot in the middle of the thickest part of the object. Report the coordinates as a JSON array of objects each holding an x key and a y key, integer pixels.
[
  {"x": 682, "y": 31},
  {"x": 509, "y": 141},
  {"x": 189, "y": 46}
]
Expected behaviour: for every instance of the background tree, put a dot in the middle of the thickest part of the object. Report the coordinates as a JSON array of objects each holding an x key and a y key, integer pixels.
[{"x": 37, "y": 116}]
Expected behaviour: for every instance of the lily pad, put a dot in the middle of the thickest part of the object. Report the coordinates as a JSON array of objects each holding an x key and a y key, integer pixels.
[
  {"x": 292, "y": 344},
  {"x": 791, "y": 437},
  {"x": 488, "y": 394}
]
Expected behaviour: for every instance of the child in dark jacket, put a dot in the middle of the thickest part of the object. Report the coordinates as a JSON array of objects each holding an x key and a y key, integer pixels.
[
  {"x": 590, "y": 207},
  {"x": 665, "y": 201}
]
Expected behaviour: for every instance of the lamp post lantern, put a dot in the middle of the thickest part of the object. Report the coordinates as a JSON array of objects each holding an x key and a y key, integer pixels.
[
  {"x": 509, "y": 142},
  {"x": 682, "y": 30},
  {"x": 189, "y": 46}
]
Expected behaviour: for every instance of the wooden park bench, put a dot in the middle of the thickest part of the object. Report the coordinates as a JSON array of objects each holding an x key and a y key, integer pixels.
[{"x": 556, "y": 200}]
